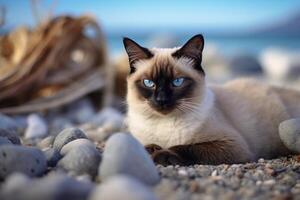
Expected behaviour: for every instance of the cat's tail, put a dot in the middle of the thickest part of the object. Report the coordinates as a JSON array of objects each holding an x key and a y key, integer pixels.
[{"x": 289, "y": 132}]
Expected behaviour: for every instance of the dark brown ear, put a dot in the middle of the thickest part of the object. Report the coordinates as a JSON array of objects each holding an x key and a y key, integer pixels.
[
  {"x": 192, "y": 49},
  {"x": 135, "y": 52}
]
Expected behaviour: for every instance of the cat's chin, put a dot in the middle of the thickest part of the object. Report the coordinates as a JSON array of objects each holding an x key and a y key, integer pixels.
[{"x": 163, "y": 111}]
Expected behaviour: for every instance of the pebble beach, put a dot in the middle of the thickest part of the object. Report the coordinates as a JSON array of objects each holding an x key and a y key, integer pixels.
[{"x": 66, "y": 155}]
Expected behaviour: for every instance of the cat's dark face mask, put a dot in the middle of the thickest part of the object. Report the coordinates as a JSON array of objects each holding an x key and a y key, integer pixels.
[{"x": 164, "y": 89}]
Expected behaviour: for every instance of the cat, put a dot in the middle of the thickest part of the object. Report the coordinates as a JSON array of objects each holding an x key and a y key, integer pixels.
[{"x": 182, "y": 120}]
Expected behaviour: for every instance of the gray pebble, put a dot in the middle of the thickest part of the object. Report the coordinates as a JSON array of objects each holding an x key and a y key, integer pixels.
[
  {"x": 76, "y": 143},
  {"x": 245, "y": 65},
  {"x": 122, "y": 187},
  {"x": 123, "y": 154},
  {"x": 46, "y": 142},
  {"x": 53, "y": 156},
  {"x": 28, "y": 160},
  {"x": 67, "y": 136},
  {"x": 12, "y": 185},
  {"x": 289, "y": 132},
  {"x": 8, "y": 123},
  {"x": 58, "y": 124},
  {"x": 81, "y": 111},
  {"x": 4, "y": 140},
  {"x": 52, "y": 187},
  {"x": 83, "y": 159},
  {"x": 11, "y": 135},
  {"x": 108, "y": 115}
]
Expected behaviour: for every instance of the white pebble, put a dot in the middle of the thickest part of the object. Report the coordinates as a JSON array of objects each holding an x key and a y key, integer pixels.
[
  {"x": 37, "y": 127},
  {"x": 182, "y": 172},
  {"x": 269, "y": 182},
  {"x": 261, "y": 160},
  {"x": 258, "y": 182},
  {"x": 214, "y": 173}
]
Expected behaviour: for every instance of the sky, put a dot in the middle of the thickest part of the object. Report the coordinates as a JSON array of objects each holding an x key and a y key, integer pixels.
[{"x": 230, "y": 14}]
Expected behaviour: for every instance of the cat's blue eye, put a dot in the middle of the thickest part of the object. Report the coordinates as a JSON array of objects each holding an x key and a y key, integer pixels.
[
  {"x": 148, "y": 83},
  {"x": 178, "y": 82}
]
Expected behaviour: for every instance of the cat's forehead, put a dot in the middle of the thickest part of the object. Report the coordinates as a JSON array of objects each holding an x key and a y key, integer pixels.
[{"x": 164, "y": 64}]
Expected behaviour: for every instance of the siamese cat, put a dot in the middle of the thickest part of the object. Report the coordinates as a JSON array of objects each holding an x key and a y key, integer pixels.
[{"x": 183, "y": 120}]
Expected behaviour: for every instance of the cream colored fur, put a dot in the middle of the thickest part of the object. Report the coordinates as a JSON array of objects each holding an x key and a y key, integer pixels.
[{"x": 244, "y": 113}]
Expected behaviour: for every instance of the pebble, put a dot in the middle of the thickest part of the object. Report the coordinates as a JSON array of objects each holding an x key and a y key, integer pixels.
[
  {"x": 4, "y": 140},
  {"x": 10, "y": 124},
  {"x": 46, "y": 142},
  {"x": 81, "y": 159},
  {"x": 245, "y": 65},
  {"x": 10, "y": 135},
  {"x": 67, "y": 136},
  {"x": 123, "y": 154},
  {"x": 289, "y": 132},
  {"x": 37, "y": 127},
  {"x": 182, "y": 172},
  {"x": 122, "y": 187},
  {"x": 83, "y": 113},
  {"x": 52, "y": 156},
  {"x": 76, "y": 143},
  {"x": 12, "y": 184},
  {"x": 269, "y": 182},
  {"x": 28, "y": 160},
  {"x": 108, "y": 115},
  {"x": 56, "y": 186},
  {"x": 104, "y": 124},
  {"x": 58, "y": 124},
  {"x": 214, "y": 173},
  {"x": 100, "y": 134}
]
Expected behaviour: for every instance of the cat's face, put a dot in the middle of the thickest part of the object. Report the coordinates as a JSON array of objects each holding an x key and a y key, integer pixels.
[{"x": 164, "y": 81}]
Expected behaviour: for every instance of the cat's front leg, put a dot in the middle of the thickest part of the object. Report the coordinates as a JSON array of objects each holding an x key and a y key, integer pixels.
[
  {"x": 214, "y": 152},
  {"x": 152, "y": 148},
  {"x": 163, "y": 156}
]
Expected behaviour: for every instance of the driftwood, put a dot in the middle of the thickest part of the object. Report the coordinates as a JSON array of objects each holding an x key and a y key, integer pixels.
[{"x": 58, "y": 62}]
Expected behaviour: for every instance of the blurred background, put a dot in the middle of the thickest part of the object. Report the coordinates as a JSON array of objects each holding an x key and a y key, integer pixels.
[{"x": 254, "y": 38}]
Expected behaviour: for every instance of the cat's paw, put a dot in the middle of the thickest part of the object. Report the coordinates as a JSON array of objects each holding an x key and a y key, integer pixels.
[
  {"x": 167, "y": 157},
  {"x": 152, "y": 148}
]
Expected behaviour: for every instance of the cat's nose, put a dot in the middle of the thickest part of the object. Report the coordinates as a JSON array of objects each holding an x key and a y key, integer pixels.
[{"x": 161, "y": 99}]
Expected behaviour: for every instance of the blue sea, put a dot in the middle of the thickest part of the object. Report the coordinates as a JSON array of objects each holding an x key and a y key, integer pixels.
[{"x": 225, "y": 44}]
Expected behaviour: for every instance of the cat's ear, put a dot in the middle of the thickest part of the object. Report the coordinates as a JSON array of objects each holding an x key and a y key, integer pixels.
[
  {"x": 192, "y": 49},
  {"x": 135, "y": 51}
]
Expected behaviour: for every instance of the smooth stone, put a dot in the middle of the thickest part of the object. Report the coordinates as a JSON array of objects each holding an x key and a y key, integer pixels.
[
  {"x": 37, "y": 127},
  {"x": 28, "y": 160},
  {"x": 46, "y": 142},
  {"x": 4, "y": 140},
  {"x": 123, "y": 154},
  {"x": 83, "y": 159},
  {"x": 10, "y": 124},
  {"x": 13, "y": 183},
  {"x": 84, "y": 178},
  {"x": 108, "y": 115},
  {"x": 281, "y": 64},
  {"x": 81, "y": 111},
  {"x": 52, "y": 156},
  {"x": 67, "y": 136},
  {"x": 58, "y": 124},
  {"x": 76, "y": 143},
  {"x": 289, "y": 132},
  {"x": 245, "y": 65},
  {"x": 10, "y": 135},
  {"x": 102, "y": 133},
  {"x": 122, "y": 187},
  {"x": 56, "y": 186}
]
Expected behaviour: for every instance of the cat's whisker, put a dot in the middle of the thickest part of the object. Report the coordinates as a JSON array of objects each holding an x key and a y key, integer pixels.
[{"x": 189, "y": 110}]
